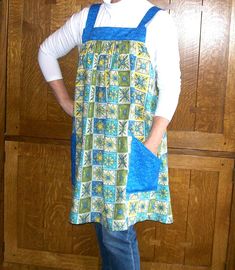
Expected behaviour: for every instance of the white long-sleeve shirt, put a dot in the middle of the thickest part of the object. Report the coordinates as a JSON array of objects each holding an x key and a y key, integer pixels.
[{"x": 161, "y": 43}]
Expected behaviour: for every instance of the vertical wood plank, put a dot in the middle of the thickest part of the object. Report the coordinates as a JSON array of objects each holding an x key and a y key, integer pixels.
[
  {"x": 229, "y": 118},
  {"x": 213, "y": 66},
  {"x": 14, "y": 64},
  {"x": 223, "y": 219},
  {"x": 35, "y": 26},
  {"x": 10, "y": 202},
  {"x": 3, "y": 59},
  {"x": 30, "y": 197},
  {"x": 57, "y": 199},
  {"x": 201, "y": 217}
]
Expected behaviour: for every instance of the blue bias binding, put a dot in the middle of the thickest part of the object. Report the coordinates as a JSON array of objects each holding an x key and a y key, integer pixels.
[
  {"x": 115, "y": 33},
  {"x": 73, "y": 157},
  {"x": 92, "y": 15},
  {"x": 144, "y": 168}
]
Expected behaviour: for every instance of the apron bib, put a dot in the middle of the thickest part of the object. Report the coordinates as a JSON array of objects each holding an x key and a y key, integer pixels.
[{"x": 116, "y": 180}]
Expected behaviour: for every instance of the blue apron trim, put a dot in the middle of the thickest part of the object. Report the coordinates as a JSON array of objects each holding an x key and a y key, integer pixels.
[
  {"x": 148, "y": 16},
  {"x": 144, "y": 168},
  {"x": 115, "y": 33},
  {"x": 92, "y": 15},
  {"x": 73, "y": 156}
]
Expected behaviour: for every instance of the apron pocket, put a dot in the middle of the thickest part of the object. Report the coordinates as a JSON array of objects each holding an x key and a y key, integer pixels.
[{"x": 144, "y": 167}]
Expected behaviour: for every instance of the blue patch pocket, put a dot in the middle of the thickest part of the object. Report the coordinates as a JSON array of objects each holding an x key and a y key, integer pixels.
[
  {"x": 144, "y": 167},
  {"x": 73, "y": 157}
]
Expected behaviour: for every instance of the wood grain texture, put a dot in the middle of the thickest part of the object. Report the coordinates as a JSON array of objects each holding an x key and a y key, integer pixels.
[
  {"x": 223, "y": 219},
  {"x": 200, "y": 141},
  {"x": 201, "y": 216},
  {"x": 229, "y": 125},
  {"x": 14, "y": 67},
  {"x": 3, "y": 56},
  {"x": 33, "y": 90}
]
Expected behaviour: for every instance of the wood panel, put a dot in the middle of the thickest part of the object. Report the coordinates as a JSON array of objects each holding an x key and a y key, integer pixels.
[
  {"x": 37, "y": 204},
  {"x": 3, "y": 55},
  {"x": 30, "y": 22},
  {"x": 38, "y": 200},
  {"x": 230, "y": 95},
  {"x": 201, "y": 216},
  {"x": 204, "y": 47}
]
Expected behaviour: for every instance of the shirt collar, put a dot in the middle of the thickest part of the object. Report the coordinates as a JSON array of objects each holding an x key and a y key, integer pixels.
[{"x": 118, "y": 6}]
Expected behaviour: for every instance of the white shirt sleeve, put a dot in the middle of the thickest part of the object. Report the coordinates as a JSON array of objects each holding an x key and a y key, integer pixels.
[
  {"x": 164, "y": 39},
  {"x": 59, "y": 43}
]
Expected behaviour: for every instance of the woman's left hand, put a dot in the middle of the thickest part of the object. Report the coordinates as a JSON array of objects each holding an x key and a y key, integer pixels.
[
  {"x": 158, "y": 128},
  {"x": 152, "y": 145}
]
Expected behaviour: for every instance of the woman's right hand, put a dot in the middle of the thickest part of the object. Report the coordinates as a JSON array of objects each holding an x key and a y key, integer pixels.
[
  {"x": 67, "y": 106},
  {"x": 61, "y": 94}
]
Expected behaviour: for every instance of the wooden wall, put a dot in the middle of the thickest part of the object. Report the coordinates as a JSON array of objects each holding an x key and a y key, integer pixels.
[
  {"x": 37, "y": 190},
  {"x": 3, "y": 44}
]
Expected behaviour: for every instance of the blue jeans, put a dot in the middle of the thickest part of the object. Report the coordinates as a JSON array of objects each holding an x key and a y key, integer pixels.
[{"x": 118, "y": 249}]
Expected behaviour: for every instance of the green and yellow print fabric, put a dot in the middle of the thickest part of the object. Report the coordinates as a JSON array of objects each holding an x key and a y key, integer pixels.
[{"x": 115, "y": 99}]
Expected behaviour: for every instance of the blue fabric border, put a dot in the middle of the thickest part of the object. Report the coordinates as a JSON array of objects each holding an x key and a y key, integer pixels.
[
  {"x": 115, "y": 33},
  {"x": 92, "y": 15},
  {"x": 73, "y": 155}
]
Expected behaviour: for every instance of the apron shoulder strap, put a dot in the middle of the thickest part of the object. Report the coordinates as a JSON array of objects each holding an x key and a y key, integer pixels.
[
  {"x": 148, "y": 16},
  {"x": 92, "y": 15}
]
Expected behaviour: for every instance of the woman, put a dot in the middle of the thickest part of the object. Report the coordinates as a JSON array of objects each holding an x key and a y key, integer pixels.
[{"x": 127, "y": 89}]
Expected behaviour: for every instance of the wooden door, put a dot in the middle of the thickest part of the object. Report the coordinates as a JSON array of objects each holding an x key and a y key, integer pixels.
[{"x": 201, "y": 146}]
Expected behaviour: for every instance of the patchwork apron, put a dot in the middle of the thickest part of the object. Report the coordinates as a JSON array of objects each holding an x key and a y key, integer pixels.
[{"x": 116, "y": 180}]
